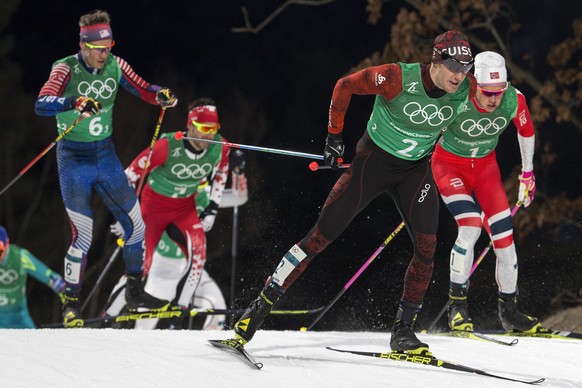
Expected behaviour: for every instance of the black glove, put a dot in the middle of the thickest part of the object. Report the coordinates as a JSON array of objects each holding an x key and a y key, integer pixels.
[
  {"x": 166, "y": 98},
  {"x": 87, "y": 106},
  {"x": 333, "y": 151},
  {"x": 208, "y": 216},
  {"x": 237, "y": 162}
]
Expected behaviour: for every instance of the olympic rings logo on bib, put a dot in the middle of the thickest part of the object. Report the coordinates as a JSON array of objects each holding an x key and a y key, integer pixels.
[
  {"x": 195, "y": 171},
  {"x": 7, "y": 277},
  {"x": 429, "y": 113},
  {"x": 483, "y": 126},
  {"x": 98, "y": 89}
]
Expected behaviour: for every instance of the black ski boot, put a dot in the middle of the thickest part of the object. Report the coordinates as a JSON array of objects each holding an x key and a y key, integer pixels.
[
  {"x": 459, "y": 318},
  {"x": 72, "y": 311},
  {"x": 511, "y": 318},
  {"x": 255, "y": 314},
  {"x": 403, "y": 337},
  {"x": 136, "y": 297}
]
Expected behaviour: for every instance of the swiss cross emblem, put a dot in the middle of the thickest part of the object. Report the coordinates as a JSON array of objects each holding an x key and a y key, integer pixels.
[{"x": 494, "y": 75}]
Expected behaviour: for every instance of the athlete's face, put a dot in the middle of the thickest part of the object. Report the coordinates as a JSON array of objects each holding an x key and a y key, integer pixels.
[
  {"x": 206, "y": 131},
  {"x": 489, "y": 97},
  {"x": 446, "y": 79},
  {"x": 95, "y": 53}
]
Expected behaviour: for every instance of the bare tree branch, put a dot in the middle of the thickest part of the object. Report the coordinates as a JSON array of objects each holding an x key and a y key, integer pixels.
[{"x": 255, "y": 30}]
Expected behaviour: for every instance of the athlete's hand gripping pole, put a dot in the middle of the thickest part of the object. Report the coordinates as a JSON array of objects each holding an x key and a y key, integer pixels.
[
  {"x": 473, "y": 268},
  {"x": 357, "y": 274},
  {"x": 43, "y": 153}
]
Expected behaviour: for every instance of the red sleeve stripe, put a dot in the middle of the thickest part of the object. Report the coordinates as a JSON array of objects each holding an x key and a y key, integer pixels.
[
  {"x": 130, "y": 74},
  {"x": 58, "y": 79}
]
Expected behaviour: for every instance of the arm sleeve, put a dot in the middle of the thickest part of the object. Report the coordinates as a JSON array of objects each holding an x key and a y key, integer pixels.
[
  {"x": 525, "y": 133},
  {"x": 220, "y": 176},
  {"x": 38, "y": 270},
  {"x": 136, "y": 85},
  {"x": 49, "y": 101},
  {"x": 159, "y": 156},
  {"x": 384, "y": 80}
]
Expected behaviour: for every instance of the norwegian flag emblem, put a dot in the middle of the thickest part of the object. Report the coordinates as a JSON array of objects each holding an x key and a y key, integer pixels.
[{"x": 494, "y": 75}]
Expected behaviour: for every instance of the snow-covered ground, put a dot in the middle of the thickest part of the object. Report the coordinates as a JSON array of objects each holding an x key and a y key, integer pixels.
[{"x": 128, "y": 358}]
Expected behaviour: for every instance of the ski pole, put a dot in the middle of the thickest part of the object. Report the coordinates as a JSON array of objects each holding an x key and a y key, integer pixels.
[
  {"x": 153, "y": 142},
  {"x": 314, "y": 166},
  {"x": 238, "y": 170},
  {"x": 180, "y": 136},
  {"x": 104, "y": 272},
  {"x": 473, "y": 268},
  {"x": 357, "y": 274},
  {"x": 43, "y": 153}
]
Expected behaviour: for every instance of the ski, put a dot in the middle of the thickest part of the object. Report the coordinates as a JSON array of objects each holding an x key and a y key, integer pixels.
[
  {"x": 541, "y": 333},
  {"x": 475, "y": 336},
  {"x": 174, "y": 313},
  {"x": 233, "y": 346},
  {"x": 433, "y": 361}
]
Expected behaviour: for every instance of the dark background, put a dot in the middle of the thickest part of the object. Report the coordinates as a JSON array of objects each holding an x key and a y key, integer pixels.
[{"x": 272, "y": 90}]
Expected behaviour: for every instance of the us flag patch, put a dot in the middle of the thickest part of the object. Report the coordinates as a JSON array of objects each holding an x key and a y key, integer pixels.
[{"x": 494, "y": 75}]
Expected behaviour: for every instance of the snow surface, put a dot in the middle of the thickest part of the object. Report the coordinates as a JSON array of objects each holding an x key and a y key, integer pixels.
[{"x": 131, "y": 358}]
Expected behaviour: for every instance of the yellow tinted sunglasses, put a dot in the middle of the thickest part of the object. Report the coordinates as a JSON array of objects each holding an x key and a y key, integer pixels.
[
  {"x": 206, "y": 128},
  {"x": 103, "y": 49}
]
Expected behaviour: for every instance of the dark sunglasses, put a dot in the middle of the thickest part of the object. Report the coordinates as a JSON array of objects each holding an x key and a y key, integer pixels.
[{"x": 454, "y": 65}]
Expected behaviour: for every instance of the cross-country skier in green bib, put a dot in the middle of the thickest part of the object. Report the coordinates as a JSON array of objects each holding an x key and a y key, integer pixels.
[
  {"x": 16, "y": 264},
  {"x": 414, "y": 103},
  {"x": 177, "y": 168},
  {"x": 465, "y": 169},
  {"x": 86, "y": 85},
  {"x": 169, "y": 262}
]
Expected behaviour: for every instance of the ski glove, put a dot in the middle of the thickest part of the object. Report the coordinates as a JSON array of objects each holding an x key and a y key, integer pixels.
[
  {"x": 527, "y": 187},
  {"x": 208, "y": 216},
  {"x": 87, "y": 106},
  {"x": 333, "y": 151},
  {"x": 166, "y": 98},
  {"x": 132, "y": 176},
  {"x": 117, "y": 229}
]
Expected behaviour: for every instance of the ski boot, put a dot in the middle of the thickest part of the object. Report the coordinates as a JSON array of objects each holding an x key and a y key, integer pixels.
[
  {"x": 136, "y": 297},
  {"x": 459, "y": 318},
  {"x": 255, "y": 314},
  {"x": 403, "y": 339},
  {"x": 72, "y": 312},
  {"x": 511, "y": 318}
]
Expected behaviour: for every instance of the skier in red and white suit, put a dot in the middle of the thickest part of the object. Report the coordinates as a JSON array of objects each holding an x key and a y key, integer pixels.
[{"x": 466, "y": 172}]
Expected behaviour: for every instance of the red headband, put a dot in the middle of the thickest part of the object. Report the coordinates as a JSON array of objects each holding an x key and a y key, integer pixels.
[
  {"x": 203, "y": 114},
  {"x": 96, "y": 32}
]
